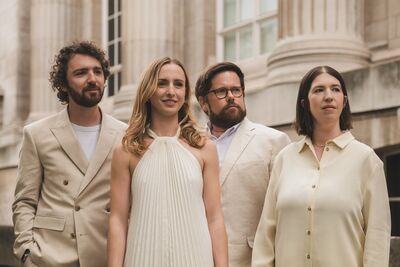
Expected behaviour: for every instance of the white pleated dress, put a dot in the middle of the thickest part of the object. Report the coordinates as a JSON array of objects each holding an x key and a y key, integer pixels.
[{"x": 168, "y": 225}]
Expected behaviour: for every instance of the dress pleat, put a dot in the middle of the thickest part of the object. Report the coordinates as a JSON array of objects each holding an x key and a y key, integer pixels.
[{"x": 168, "y": 225}]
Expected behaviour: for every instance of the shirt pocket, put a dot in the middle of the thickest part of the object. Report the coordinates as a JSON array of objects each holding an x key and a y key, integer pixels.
[{"x": 49, "y": 223}]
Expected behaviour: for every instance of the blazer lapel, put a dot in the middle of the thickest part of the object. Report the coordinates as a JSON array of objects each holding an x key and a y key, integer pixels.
[
  {"x": 65, "y": 136},
  {"x": 104, "y": 146},
  {"x": 242, "y": 138}
]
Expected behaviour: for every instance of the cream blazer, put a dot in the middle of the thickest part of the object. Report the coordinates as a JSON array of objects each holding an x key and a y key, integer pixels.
[
  {"x": 244, "y": 178},
  {"x": 62, "y": 200}
]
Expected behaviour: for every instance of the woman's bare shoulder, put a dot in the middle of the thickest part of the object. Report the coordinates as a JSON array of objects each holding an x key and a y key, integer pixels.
[{"x": 208, "y": 145}]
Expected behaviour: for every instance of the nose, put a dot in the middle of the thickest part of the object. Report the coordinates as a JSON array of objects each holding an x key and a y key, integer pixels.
[
  {"x": 91, "y": 77},
  {"x": 328, "y": 95},
  {"x": 229, "y": 95},
  {"x": 171, "y": 89}
]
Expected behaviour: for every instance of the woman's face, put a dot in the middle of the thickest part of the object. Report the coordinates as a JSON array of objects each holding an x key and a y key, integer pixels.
[
  {"x": 326, "y": 99},
  {"x": 171, "y": 90}
]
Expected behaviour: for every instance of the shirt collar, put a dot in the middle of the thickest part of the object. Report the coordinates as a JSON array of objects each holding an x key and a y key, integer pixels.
[
  {"x": 341, "y": 141},
  {"x": 227, "y": 133}
]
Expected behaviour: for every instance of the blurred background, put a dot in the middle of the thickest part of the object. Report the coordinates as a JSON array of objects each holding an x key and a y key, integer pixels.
[{"x": 275, "y": 42}]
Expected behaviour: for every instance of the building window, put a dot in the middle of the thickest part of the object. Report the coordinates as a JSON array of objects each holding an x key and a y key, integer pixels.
[
  {"x": 114, "y": 45},
  {"x": 247, "y": 28},
  {"x": 1, "y": 107},
  {"x": 392, "y": 166},
  {"x": 390, "y": 155}
]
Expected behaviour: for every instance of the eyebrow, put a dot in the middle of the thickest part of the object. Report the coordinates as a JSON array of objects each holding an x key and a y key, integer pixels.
[
  {"x": 86, "y": 69},
  {"x": 334, "y": 84},
  {"x": 165, "y": 79},
  {"x": 225, "y": 87}
]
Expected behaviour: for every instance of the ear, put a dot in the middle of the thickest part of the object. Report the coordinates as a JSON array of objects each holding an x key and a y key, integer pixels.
[
  {"x": 203, "y": 104},
  {"x": 345, "y": 101}
]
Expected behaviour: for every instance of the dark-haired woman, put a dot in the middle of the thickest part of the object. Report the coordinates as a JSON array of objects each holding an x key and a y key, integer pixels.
[{"x": 327, "y": 202}]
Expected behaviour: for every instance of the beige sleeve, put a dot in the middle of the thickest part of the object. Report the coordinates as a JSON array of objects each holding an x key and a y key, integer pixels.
[
  {"x": 29, "y": 181},
  {"x": 264, "y": 241},
  {"x": 376, "y": 214},
  {"x": 281, "y": 142}
]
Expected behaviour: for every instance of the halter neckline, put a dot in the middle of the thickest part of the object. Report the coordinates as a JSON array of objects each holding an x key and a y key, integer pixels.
[{"x": 153, "y": 135}]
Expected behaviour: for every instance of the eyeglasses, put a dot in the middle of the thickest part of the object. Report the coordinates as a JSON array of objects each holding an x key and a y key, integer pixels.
[{"x": 222, "y": 92}]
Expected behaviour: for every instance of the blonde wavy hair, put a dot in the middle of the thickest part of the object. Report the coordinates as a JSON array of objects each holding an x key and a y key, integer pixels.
[{"x": 133, "y": 140}]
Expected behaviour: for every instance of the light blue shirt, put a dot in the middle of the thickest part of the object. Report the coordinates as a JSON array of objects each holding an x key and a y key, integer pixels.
[{"x": 223, "y": 141}]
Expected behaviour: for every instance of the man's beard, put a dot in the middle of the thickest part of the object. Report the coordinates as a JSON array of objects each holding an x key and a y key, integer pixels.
[
  {"x": 85, "y": 99},
  {"x": 225, "y": 119}
]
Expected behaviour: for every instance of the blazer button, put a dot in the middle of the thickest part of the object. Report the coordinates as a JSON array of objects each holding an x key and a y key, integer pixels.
[
  {"x": 65, "y": 182},
  {"x": 73, "y": 236},
  {"x": 77, "y": 208}
]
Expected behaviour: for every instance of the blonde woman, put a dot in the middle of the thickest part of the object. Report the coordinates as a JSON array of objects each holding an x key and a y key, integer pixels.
[
  {"x": 165, "y": 196},
  {"x": 327, "y": 203}
]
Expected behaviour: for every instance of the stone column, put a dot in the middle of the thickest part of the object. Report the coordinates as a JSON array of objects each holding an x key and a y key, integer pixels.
[
  {"x": 54, "y": 23},
  {"x": 150, "y": 29},
  {"x": 318, "y": 32}
]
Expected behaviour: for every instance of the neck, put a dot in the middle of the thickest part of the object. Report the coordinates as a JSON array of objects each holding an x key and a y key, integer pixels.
[
  {"x": 165, "y": 126},
  {"x": 323, "y": 134},
  {"x": 84, "y": 116},
  {"x": 217, "y": 131}
]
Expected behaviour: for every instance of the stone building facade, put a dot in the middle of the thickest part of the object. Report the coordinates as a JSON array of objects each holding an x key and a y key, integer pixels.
[{"x": 274, "y": 41}]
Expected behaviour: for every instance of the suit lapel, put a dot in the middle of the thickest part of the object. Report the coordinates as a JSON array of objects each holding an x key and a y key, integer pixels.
[
  {"x": 242, "y": 138},
  {"x": 103, "y": 148},
  {"x": 65, "y": 136}
]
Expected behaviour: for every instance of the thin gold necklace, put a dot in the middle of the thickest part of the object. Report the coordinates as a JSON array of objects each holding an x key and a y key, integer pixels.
[{"x": 318, "y": 145}]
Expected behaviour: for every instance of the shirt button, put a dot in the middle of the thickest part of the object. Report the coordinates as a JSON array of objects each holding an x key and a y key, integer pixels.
[
  {"x": 313, "y": 186},
  {"x": 318, "y": 168},
  {"x": 327, "y": 149},
  {"x": 308, "y": 232},
  {"x": 308, "y": 256},
  {"x": 77, "y": 208},
  {"x": 65, "y": 182},
  {"x": 72, "y": 235},
  {"x": 309, "y": 208}
]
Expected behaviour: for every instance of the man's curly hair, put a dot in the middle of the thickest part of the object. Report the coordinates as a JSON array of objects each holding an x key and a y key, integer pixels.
[{"x": 58, "y": 73}]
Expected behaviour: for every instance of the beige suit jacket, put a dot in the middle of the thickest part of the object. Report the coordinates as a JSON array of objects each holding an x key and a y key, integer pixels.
[
  {"x": 244, "y": 178},
  {"x": 62, "y": 200}
]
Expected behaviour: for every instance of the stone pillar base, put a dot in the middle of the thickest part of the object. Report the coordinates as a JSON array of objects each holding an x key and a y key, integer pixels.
[
  {"x": 123, "y": 102},
  {"x": 293, "y": 57}
]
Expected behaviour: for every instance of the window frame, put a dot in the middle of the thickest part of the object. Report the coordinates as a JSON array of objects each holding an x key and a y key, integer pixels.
[
  {"x": 115, "y": 69},
  {"x": 255, "y": 24}
]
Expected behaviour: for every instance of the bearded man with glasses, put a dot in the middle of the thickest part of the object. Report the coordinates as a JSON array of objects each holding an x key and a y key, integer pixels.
[{"x": 245, "y": 151}]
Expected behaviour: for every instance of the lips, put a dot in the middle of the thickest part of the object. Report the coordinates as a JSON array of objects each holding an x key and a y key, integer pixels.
[
  {"x": 231, "y": 106},
  {"x": 91, "y": 89},
  {"x": 328, "y": 107},
  {"x": 169, "y": 102}
]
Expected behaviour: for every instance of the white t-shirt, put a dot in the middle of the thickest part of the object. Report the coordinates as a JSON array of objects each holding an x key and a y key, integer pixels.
[{"x": 87, "y": 136}]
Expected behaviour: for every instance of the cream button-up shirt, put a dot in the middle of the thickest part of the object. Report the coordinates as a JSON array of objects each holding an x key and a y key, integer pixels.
[{"x": 328, "y": 213}]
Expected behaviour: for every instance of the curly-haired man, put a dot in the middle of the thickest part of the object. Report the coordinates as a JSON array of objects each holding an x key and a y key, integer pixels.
[{"x": 62, "y": 204}]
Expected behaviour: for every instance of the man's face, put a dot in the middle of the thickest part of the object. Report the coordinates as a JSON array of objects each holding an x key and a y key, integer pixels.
[
  {"x": 85, "y": 79},
  {"x": 228, "y": 111}
]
